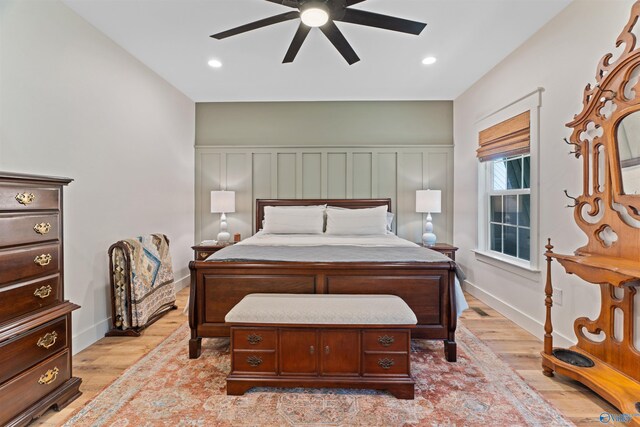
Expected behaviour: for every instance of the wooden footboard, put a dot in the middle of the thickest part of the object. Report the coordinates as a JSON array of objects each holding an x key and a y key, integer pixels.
[{"x": 428, "y": 288}]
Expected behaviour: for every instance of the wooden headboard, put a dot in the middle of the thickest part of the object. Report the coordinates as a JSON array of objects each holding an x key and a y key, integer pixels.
[{"x": 340, "y": 203}]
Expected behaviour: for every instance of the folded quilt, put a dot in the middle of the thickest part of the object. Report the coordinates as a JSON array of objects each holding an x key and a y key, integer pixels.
[{"x": 150, "y": 276}]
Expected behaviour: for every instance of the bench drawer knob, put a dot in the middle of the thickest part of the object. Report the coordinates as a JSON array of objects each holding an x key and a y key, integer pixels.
[
  {"x": 254, "y": 361},
  {"x": 386, "y": 363},
  {"x": 386, "y": 340},
  {"x": 254, "y": 339}
]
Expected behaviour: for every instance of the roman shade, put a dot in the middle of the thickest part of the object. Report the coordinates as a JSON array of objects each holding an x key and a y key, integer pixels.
[{"x": 508, "y": 138}]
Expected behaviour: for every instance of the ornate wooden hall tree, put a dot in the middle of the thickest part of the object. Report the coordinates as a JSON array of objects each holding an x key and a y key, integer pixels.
[{"x": 606, "y": 135}]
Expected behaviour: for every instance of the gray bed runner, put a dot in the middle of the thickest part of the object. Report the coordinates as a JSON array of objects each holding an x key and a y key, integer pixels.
[{"x": 331, "y": 254}]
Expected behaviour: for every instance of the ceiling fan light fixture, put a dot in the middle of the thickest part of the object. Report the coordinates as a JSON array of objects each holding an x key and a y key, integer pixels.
[
  {"x": 214, "y": 63},
  {"x": 315, "y": 16}
]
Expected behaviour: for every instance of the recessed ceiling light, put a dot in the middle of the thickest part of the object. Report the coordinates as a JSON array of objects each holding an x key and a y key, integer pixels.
[
  {"x": 315, "y": 16},
  {"x": 429, "y": 60},
  {"x": 214, "y": 63}
]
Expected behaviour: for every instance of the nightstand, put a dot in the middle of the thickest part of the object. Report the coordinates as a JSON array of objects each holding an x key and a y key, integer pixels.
[
  {"x": 444, "y": 249},
  {"x": 202, "y": 251}
]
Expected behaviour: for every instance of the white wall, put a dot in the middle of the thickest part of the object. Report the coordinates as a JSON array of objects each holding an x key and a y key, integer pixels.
[
  {"x": 562, "y": 58},
  {"x": 75, "y": 104}
]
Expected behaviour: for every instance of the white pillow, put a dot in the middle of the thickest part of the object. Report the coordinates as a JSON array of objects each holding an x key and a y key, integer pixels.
[
  {"x": 293, "y": 219},
  {"x": 357, "y": 221},
  {"x": 389, "y": 221}
]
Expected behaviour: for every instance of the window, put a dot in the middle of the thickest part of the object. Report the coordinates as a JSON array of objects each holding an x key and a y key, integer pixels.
[
  {"x": 509, "y": 202},
  {"x": 508, "y": 194}
]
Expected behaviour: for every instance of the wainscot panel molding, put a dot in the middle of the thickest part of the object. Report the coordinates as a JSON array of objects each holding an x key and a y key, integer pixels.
[{"x": 325, "y": 172}]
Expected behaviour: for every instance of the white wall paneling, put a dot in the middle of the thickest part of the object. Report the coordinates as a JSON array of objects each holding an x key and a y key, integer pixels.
[{"x": 324, "y": 172}]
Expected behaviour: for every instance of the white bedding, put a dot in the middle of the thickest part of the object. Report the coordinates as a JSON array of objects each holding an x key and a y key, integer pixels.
[
  {"x": 264, "y": 239},
  {"x": 388, "y": 240}
]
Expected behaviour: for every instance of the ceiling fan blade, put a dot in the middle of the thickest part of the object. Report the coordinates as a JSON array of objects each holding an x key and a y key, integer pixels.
[
  {"x": 361, "y": 17},
  {"x": 337, "y": 38},
  {"x": 257, "y": 24},
  {"x": 351, "y": 2},
  {"x": 296, "y": 44},
  {"x": 289, "y": 3}
]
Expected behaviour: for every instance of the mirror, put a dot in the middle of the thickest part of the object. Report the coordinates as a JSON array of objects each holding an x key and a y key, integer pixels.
[{"x": 628, "y": 139}]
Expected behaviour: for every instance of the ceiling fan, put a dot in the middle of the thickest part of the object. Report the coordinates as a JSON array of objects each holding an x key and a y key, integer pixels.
[{"x": 323, "y": 14}]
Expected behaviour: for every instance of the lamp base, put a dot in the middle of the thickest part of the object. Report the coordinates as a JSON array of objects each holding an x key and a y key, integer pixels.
[
  {"x": 223, "y": 237},
  {"x": 428, "y": 239}
]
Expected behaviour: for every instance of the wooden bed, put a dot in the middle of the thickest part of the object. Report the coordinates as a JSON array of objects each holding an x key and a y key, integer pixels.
[{"x": 428, "y": 288}]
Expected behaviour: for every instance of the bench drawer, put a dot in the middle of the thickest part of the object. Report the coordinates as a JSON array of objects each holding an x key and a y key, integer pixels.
[
  {"x": 385, "y": 340},
  {"x": 30, "y": 348},
  {"x": 254, "y": 361},
  {"x": 384, "y": 364},
  {"x": 254, "y": 339}
]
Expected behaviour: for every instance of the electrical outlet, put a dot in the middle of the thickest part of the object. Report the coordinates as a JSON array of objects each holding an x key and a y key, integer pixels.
[{"x": 557, "y": 297}]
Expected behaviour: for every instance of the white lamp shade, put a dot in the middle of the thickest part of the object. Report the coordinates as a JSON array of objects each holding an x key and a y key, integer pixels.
[
  {"x": 223, "y": 201},
  {"x": 429, "y": 201}
]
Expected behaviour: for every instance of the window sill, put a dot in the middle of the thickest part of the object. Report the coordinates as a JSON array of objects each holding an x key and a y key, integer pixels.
[{"x": 521, "y": 269}]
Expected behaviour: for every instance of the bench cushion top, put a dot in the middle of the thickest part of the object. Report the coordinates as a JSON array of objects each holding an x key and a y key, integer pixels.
[{"x": 321, "y": 309}]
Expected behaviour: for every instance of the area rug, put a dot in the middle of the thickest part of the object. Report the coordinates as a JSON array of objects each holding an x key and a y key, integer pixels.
[{"x": 166, "y": 388}]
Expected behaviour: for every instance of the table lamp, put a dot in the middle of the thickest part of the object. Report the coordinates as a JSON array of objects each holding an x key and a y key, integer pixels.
[
  {"x": 428, "y": 201},
  {"x": 223, "y": 202}
]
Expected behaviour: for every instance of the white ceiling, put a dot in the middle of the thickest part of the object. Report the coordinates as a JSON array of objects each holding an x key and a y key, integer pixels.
[{"x": 171, "y": 37}]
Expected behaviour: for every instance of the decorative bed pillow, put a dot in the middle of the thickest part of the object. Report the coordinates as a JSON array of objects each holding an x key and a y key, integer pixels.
[
  {"x": 389, "y": 221},
  {"x": 293, "y": 219},
  {"x": 357, "y": 221}
]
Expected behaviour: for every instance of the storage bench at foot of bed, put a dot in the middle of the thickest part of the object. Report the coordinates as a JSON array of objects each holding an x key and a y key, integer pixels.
[{"x": 271, "y": 348}]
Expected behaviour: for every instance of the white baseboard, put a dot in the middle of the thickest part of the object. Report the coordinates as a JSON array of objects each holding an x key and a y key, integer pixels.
[
  {"x": 93, "y": 333},
  {"x": 182, "y": 283},
  {"x": 519, "y": 318}
]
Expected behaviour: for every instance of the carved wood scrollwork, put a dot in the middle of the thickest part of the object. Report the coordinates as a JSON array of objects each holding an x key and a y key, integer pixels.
[{"x": 615, "y": 95}]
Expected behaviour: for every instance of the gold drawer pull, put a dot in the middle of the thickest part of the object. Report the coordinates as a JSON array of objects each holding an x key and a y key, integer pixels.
[
  {"x": 386, "y": 340},
  {"x": 48, "y": 340},
  {"x": 386, "y": 363},
  {"x": 25, "y": 198},
  {"x": 43, "y": 291},
  {"x": 254, "y": 339},
  {"x": 42, "y": 228},
  {"x": 254, "y": 361},
  {"x": 49, "y": 377},
  {"x": 43, "y": 259}
]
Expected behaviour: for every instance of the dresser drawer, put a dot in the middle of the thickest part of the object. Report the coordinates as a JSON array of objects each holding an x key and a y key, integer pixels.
[
  {"x": 19, "y": 198},
  {"x": 26, "y": 389},
  {"x": 22, "y": 229},
  {"x": 381, "y": 364},
  {"x": 254, "y": 339},
  {"x": 254, "y": 361},
  {"x": 18, "y": 264},
  {"x": 29, "y": 296},
  {"x": 25, "y": 350},
  {"x": 385, "y": 340}
]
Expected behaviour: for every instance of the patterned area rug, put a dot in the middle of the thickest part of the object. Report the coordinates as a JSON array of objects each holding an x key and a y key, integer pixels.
[{"x": 165, "y": 388}]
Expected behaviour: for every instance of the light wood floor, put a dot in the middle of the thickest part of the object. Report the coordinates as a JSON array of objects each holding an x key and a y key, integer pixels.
[{"x": 103, "y": 362}]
